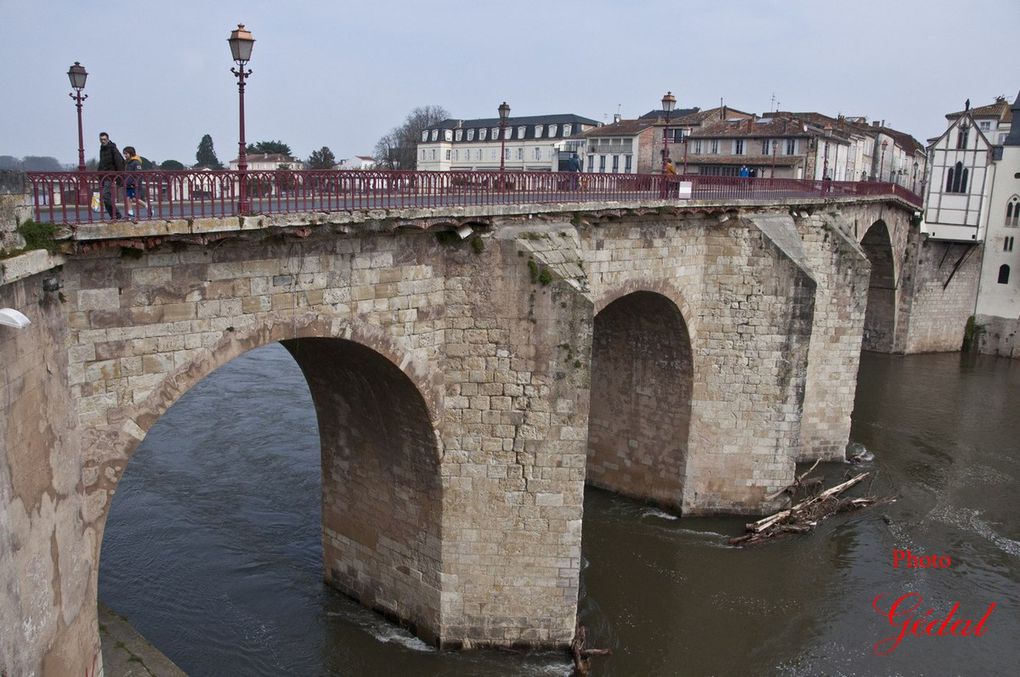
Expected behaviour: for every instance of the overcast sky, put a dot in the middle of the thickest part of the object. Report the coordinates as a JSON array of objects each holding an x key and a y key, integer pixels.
[{"x": 342, "y": 74}]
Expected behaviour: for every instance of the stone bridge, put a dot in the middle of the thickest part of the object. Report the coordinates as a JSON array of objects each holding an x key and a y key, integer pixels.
[{"x": 471, "y": 369}]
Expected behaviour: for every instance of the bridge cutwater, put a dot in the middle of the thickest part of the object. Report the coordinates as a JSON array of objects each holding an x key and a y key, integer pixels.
[{"x": 477, "y": 346}]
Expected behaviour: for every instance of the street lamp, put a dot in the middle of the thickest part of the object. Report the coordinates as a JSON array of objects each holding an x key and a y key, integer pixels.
[
  {"x": 881, "y": 163},
  {"x": 504, "y": 114},
  {"x": 77, "y": 75},
  {"x": 241, "y": 43},
  {"x": 668, "y": 103},
  {"x": 913, "y": 184}
]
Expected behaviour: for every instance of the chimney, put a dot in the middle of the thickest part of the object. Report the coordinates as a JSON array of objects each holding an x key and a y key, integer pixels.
[
  {"x": 617, "y": 117},
  {"x": 875, "y": 123}
]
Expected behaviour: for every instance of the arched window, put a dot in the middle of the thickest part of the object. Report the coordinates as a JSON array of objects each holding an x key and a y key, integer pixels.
[
  {"x": 1013, "y": 211},
  {"x": 956, "y": 179},
  {"x": 1004, "y": 274},
  {"x": 961, "y": 139}
]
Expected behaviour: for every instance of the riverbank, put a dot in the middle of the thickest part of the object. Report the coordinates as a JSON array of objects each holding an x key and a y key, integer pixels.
[{"x": 126, "y": 653}]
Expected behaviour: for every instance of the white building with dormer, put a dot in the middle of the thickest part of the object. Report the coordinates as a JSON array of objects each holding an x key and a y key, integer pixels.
[{"x": 532, "y": 143}]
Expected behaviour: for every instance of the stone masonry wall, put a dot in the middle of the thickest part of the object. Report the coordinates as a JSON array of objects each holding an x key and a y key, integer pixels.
[
  {"x": 748, "y": 310},
  {"x": 47, "y": 555},
  {"x": 517, "y": 349},
  {"x": 939, "y": 311},
  {"x": 842, "y": 272}
]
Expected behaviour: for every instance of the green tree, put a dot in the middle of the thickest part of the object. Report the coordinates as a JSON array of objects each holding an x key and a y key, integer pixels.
[
  {"x": 399, "y": 148},
  {"x": 170, "y": 165},
  {"x": 270, "y": 148},
  {"x": 206, "y": 156},
  {"x": 321, "y": 159}
]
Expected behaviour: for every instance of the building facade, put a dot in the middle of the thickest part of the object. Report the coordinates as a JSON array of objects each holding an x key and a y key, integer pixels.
[{"x": 532, "y": 143}]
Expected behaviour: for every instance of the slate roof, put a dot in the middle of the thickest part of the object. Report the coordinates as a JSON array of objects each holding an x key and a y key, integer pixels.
[
  {"x": 674, "y": 115},
  {"x": 513, "y": 122}
]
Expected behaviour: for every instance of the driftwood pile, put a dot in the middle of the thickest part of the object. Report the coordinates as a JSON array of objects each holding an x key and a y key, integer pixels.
[
  {"x": 581, "y": 655},
  {"x": 804, "y": 516}
]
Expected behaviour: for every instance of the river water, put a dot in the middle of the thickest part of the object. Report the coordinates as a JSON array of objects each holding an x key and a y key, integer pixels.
[{"x": 212, "y": 549}]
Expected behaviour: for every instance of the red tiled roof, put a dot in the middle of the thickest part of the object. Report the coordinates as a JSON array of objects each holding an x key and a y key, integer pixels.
[
  {"x": 621, "y": 128},
  {"x": 999, "y": 110},
  {"x": 757, "y": 160},
  {"x": 765, "y": 127}
]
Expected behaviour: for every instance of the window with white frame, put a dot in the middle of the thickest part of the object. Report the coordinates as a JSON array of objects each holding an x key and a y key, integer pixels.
[
  {"x": 521, "y": 131},
  {"x": 478, "y": 154},
  {"x": 714, "y": 147},
  {"x": 481, "y": 133},
  {"x": 766, "y": 146},
  {"x": 1007, "y": 243},
  {"x": 471, "y": 135},
  {"x": 435, "y": 134},
  {"x": 448, "y": 134},
  {"x": 591, "y": 163},
  {"x": 456, "y": 155},
  {"x": 552, "y": 130},
  {"x": 627, "y": 163},
  {"x": 538, "y": 131},
  {"x": 493, "y": 154},
  {"x": 448, "y": 154},
  {"x": 495, "y": 133},
  {"x": 425, "y": 135},
  {"x": 506, "y": 153},
  {"x": 1013, "y": 211},
  {"x": 602, "y": 163},
  {"x": 458, "y": 135},
  {"x": 538, "y": 153},
  {"x": 616, "y": 164},
  {"x": 697, "y": 147},
  {"x": 738, "y": 146},
  {"x": 423, "y": 154},
  {"x": 433, "y": 153},
  {"x": 985, "y": 125},
  {"x": 566, "y": 130},
  {"x": 791, "y": 146},
  {"x": 520, "y": 153}
]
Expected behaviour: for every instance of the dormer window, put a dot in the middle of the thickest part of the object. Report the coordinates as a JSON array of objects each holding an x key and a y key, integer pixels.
[
  {"x": 495, "y": 133},
  {"x": 435, "y": 134},
  {"x": 552, "y": 130},
  {"x": 425, "y": 135},
  {"x": 471, "y": 135},
  {"x": 521, "y": 131},
  {"x": 458, "y": 135},
  {"x": 481, "y": 133},
  {"x": 567, "y": 129},
  {"x": 538, "y": 131},
  {"x": 448, "y": 134}
]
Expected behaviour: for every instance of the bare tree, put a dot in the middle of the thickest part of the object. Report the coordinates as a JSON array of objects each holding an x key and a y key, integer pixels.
[{"x": 398, "y": 148}]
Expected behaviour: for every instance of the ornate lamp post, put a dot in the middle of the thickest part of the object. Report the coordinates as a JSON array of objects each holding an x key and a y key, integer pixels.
[
  {"x": 241, "y": 43},
  {"x": 881, "y": 163},
  {"x": 913, "y": 184},
  {"x": 77, "y": 75},
  {"x": 504, "y": 114},
  {"x": 668, "y": 103}
]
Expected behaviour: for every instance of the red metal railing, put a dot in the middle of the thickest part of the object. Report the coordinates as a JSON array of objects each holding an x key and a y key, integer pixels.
[{"x": 90, "y": 197}]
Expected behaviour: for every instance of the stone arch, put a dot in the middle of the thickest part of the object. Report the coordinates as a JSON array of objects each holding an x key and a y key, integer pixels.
[
  {"x": 381, "y": 484},
  {"x": 642, "y": 373},
  {"x": 880, "y": 316}
]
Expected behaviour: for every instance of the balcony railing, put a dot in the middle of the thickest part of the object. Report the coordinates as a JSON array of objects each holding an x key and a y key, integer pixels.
[{"x": 93, "y": 197}]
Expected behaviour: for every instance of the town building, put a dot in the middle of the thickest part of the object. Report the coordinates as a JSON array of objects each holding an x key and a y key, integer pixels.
[
  {"x": 532, "y": 143},
  {"x": 359, "y": 162},
  {"x": 635, "y": 146},
  {"x": 265, "y": 162}
]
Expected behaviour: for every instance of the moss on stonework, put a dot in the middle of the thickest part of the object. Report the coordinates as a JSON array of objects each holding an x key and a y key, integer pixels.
[
  {"x": 971, "y": 335},
  {"x": 38, "y": 235}
]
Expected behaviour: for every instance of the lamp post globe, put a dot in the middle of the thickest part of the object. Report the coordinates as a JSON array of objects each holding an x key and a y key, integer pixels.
[
  {"x": 881, "y": 164},
  {"x": 241, "y": 43}
]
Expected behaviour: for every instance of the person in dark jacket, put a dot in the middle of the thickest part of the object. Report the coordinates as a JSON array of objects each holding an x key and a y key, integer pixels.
[{"x": 110, "y": 160}]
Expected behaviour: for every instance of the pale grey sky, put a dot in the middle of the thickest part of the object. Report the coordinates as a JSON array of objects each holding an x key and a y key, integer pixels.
[{"x": 341, "y": 74}]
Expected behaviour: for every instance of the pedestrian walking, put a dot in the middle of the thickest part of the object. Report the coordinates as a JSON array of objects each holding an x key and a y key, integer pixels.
[
  {"x": 110, "y": 160},
  {"x": 133, "y": 185}
]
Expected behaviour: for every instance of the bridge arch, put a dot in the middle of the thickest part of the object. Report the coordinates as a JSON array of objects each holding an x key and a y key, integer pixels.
[
  {"x": 380, "y": 456},
  {"x": 880, "y": 316},
  {"x": 642, "y": 372}
]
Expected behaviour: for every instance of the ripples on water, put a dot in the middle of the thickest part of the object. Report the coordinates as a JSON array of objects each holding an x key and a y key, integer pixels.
[{"x": 212, "y": 548}]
